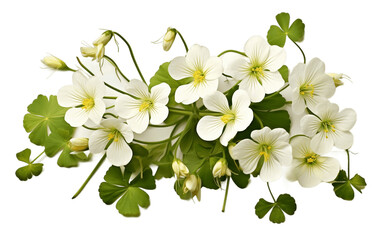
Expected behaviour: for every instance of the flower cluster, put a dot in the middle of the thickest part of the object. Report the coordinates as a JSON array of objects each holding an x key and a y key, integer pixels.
[{"x": 217, "y": 118}]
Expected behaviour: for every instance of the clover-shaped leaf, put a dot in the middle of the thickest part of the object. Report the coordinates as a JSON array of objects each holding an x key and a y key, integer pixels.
[
  {"x": 343, "y": 187},
  {"x": 44, "y": 116},
  {"x": 130, "y": 195},
  {"x": 31, "y": 169},
  {"x": 277, "y": 34},
  {"x": 284, "y": 204}
]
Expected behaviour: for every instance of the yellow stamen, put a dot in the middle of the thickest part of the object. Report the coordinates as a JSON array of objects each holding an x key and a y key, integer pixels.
[
  {"x": 227, "y": 118},
  {"x": 258, "y": 71},
  {"x": 198, "y": 77},
  {"x": 309, "y": 88},
  {"x": 311, "y": 158},
  {"x": 265, "y": 154},
  {"x": 145, "y": 105},
  {"x": 110, "y": 136},
  {"x": 88, "y": 103}
]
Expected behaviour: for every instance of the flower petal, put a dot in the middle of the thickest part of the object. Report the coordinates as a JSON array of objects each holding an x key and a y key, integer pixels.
[
  {"x": 139, "y": 122},
  {"x": 321, "y": 144},
  {"x": 260, "y": 135},
  {"x": 119, "y": 153},
  {"x": 179, "y": 68},
  {"x": 207, "y": 87},
  {"x": 240, "y": 68},
  {"x": 298, "y": 103},
  {"x": 138, "y": 89},
  {"x": 76, "y": 117},
  {"x": 307, "y": 177},
  {"x": 213, "y": 68},
  {"x": 97, "y": 111},
  {"x": 197, "y": 57},
  {"x": 229, "y": 133},
  {"x": 243, "y": 119},
  {"x": 257, "y": 49},
  {"x": 186, "y": 94},
  {"x": 253, "y": 87},
  {"x": 272, "y": 81},
  {"x": 310, "y": 125},
  {"x": 283, "y": 153},
  {"x": 216, "y": 102},
  {"x": 276, "y": 58},
  {"x": 158, "y": 113},
  {"x": 342, "y": 139},
  {"x": 314, "y": 69},
  {"x": 210, "y": 127},
  {"x": 98, "y": 141},
  {"x": 68, "y": 96},
  {"x": 328, "y": 170},
  {"x": 240, "y": 100},
  {"x": 127, "y": 107},
  {"x": 345, "y": 119},
  {"x": 297, "y": 77},
  {"x": 271, "y": 171},
  {"x": 245, "y": 151},
  {"x": 159, "y": 93},
  {"x": 300, "y": 146}
]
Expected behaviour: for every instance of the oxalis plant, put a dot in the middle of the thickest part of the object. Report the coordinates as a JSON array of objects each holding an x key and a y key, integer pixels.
[{"x": 231, "y": 117}]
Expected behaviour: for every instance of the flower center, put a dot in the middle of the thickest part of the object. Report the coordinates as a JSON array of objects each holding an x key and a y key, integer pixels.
[
  {"x": 307, "y": 89},
  {"x": 145, "y": 105},
  {"x": 257, "y": 71},
  {"x": 327, "y": 126},
  {"x": 226, "y": 118},
  {"x": 113, "y": 135},
  {"x": 88, "y": 103},
  {"x": 265, "y": 151},
  {"x": 198, "y": 77},
  {"x": 311, "y": 158}
]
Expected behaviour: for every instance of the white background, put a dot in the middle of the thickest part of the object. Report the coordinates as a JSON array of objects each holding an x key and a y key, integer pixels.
[{"x": 346, "y": 35}]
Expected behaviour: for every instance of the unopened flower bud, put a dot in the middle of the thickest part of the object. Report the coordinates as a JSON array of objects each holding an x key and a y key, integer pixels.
[
  {"x": 104, "y": 38},
  {"x": 179, "y": 168},
  {"x": 94, "y": 52},
  {"x": 79, "y": 144},
  {"x": 55, "y": 63},
  {"x": 193, "y": 184},
  {"x": 337, "y": 78},
  {"x": 221, "y": 168},
  {"x": 169, "y": 38}
]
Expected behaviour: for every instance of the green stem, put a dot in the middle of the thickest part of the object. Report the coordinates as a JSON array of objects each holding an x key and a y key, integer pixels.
[
  {"x": 274, "y": 200},
  {"x": 116, "y": 67},
  {"x": 162, "y": 126},
  {"x": 83, "y": 66},
  {"x": 258, "y": 120},
  {"x": 204, "y": 113},
  {"x": 120, "y": 91},
  {"x": 89, "y": 128},
  {"x": 184, "y": 42},
  {"x": 132, "y": 56},
  {"x": 110, "y": 114},
  {"x": 182, "y": 111},
  {"x": 226, "y": 194},
  {"x": 234, "y": 51},
  {"x": 347, "y": 152},
  {"x": 101, "y": 161},
  {"x": 38, "y": 156},
  {"x": 273, "y": 94},
  {"x": 108, "y": 97},
  {"x": 157, "y": 142},
  {"x": 237, "y": 83},
  {"x": 303, "y": 54},
  {"x": 110, "y": 107},
  {"x": 185, "y": 130}
]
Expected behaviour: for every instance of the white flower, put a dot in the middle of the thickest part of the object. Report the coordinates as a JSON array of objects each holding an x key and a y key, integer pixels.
[
  {"x": 329, "y": 127},
  {"x": 308, "y": 167},
  {"x": 179, "y": 168},
  {"x": 55, "y": 63},
  {"x": 310, "y": 85},
  {"x": 203, "y": 69},
  {"x": 96, "y": 52},
  {"x": 115, "y": 136},
  {"x": 193, "y": 184},
  {"x": 85, "y": 99},
  {"x": 78, "y": 144},
  {"x": 148, "y": 105},
  {"x": 221, "y": 169},
  {"x": 271, "y": 145},
  {"x": 104, "y": 38},
  {"x": 234, "y": 119},
  {"x": 259, "y": 72},
  {"x": 337, "y": 77}
]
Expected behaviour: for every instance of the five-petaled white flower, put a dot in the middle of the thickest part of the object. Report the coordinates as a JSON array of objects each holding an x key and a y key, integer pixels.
[
  {"x": 259, "y": 72},
  {"x": 202, "y": 68},
  {"x": 85, "y": 99},
  {"x": 113, "y": 136},
  {"x": 310, "y": 85},
  {"x": 329, "y": 127},
  {"x": 234, "y": 119},
  {"x": 270, "y": 145},
  {"x": 308, "y": 167},
  {"x": 147, "y": 106}
]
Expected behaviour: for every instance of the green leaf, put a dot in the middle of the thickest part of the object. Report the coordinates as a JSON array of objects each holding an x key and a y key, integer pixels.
[
  {"x": 296, "y": 31},
  {"x": 283, "y": 20},
  {"x": 164, "y": 169},
  {"x": 238, "y": 177},
  {"x": 287, "y": 203},
  {"x": 130, "y": 195},
  {"x": 140, "y": 160},
  {"x": 44, "y": 115},
  {"x": 205, "y": 174},
  {"x": 263, "y": 207},
  {"x": 193, "y": 161},
  {"x": 342, "y": 187},
  {"x": 358, "y": 182},
  {"x": 284, "y": 71},
  {"x": 30, "y": 170},
  {"x": 178, "y": 187},
  {"x": 277, "y": 215},
  {"x": 276, "y": 36},
  {"x": 270, "y": 102}
]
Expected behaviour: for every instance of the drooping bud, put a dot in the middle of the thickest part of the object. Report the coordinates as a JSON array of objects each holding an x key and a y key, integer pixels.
[
  {"x": 337, "y": 78},
  {"x": 94, "y": 52},
  {"x": 221, "y": 168},
  {"x": 55, "y": 63},
  {"x": 104, "y": 38},
  {"x": 169, "y": 38},
  {"x": 193, "y": 184},
  {"x": 79, "y": 144},
  {"x": 179, "y": 168}
]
